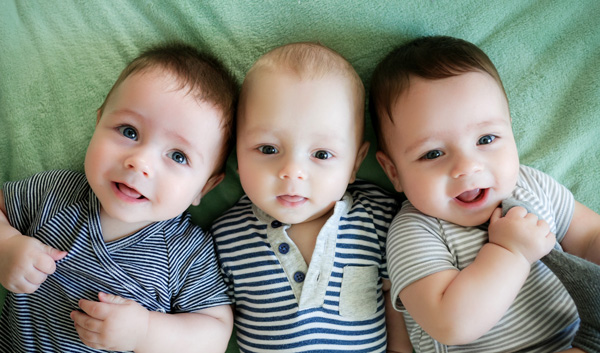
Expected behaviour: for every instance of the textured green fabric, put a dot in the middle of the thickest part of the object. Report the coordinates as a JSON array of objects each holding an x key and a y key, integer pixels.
[{"x": 58, "y": 60}]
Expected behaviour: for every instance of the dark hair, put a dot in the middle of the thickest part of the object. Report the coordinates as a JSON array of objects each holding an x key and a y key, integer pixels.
[
  {"x": 205, "y": 77},
  {"x": 431, "y": 58}
]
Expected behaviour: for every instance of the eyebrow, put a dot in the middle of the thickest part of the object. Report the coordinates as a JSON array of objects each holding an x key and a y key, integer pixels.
[
  {"x": 409, "y": 150},
  {"x": 481, "y": 125},
  {"x": 181, "y": 140}
]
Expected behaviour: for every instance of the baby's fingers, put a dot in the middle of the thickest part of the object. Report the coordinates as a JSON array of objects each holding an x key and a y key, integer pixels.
[
  {"x": 496, "y": 215},
  {"x": 84, "y": 322},
  {"x": 46, "y": 263},
  {"x": 23, "y": 285},
  {"x": 96, "y": 310},
  {"x": 88, "y": 329},
  {"x": 550, "y": 241},
  {"x": 35, "y": 278},
  {"x": 518, "y": 211}
]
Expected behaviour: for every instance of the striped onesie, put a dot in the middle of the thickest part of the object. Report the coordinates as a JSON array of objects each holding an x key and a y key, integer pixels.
[
  {"x": 543, "y": 317},
  {"x": 168, "y": 266},
  {"x": 333, "y": 304}
]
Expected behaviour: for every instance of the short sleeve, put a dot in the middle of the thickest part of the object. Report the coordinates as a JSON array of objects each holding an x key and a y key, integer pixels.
[
  {"x": 30, "y": 201},
  {"x": 197, "y": 282},
  {"x": 415, "y": 249},
  {"x": 381, "y": 207},
  {"x": 550, "y": 199}
]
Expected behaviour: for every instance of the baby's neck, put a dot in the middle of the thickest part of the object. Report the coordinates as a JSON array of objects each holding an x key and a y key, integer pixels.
[
  {"x": 304, "y": 235},
  {"x": 114, "y": 229}
]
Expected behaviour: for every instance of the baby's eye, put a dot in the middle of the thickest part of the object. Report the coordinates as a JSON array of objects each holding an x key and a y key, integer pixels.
[
  {"x": 486, "y": 140},
  {"x": 178, "y": 157},
  {"x": 268, "y": 149},
  {"x": 433, "y": 154},
  {"x": 128, "y": 132},
  {"x": 321, "y": 154}
]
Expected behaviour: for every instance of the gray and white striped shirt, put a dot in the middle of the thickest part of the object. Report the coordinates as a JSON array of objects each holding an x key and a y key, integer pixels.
[{"x": 543, "y": 317}]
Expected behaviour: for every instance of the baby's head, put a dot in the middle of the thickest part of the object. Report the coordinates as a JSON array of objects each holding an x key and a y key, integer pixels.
[
  {"x": 200, "y": 75},
  {"x": 444, "y": 129},
  {"x": 300, "y": 131},
  {"x": 162, "y": 135}
]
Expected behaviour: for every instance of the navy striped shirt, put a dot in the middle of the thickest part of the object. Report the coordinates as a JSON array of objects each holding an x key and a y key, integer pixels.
[
  {"x": 335, "y": 304},
  {"x": 168, "y": 266}
]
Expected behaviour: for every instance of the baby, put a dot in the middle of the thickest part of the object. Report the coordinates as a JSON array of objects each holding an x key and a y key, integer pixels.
[
  {"x": 468, "y": 279},
  {"x": 109, "y": 259},
  {"x": 303, "y": 252}
]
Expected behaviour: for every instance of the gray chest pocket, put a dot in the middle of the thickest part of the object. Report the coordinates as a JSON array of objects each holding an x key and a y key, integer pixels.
[{"x": 358, "y": 295}]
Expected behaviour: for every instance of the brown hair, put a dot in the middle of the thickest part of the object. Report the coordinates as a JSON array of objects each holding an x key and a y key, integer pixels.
[
  {"x": 311, "y": 61},
  {"x": 431, "y": 58},
  {"x": 202, "y": 75}
]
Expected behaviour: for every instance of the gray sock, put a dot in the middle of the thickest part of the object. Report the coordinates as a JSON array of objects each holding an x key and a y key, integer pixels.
[{"x": 581, "y": 278}]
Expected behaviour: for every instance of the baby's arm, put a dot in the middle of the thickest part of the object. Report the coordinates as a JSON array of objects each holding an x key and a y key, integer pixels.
[
  {"x": 583, "y": 237},
  {"x": 25, "y": 262},
  {"x": 457, "y": 307},
  {"x": 397, "y": 336},
  {"x": 115, "y": 323}
]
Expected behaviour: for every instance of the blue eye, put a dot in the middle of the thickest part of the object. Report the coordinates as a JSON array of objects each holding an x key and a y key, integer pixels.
[
  {"x": 486, "y": 140},
  {"x": 433, "y": 154},
  {"x": 267, "y": 149},
  {"x": 128, "y": 132},
  {"x": 321, "y": 154},
  {"x": 178, "y": 157}
]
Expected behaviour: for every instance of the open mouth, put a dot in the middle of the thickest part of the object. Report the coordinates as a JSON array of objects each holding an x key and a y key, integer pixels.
[
  {"x": 129, "y": 192},
  {"x": 472, "y": 196},
  {"x": 291, "y": 200}
]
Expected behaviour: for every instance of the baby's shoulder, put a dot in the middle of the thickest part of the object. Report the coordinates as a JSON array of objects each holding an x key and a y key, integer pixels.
[
  {"x": 56, "y": 186},
  {"x": 237, "y": 216},
  {"x": 368, "y": 193}
]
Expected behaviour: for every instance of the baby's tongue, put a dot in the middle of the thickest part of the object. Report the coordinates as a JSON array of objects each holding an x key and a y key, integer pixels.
[
  {"x": 469, "y": 196},
  {"x": 129, "y": 191}
]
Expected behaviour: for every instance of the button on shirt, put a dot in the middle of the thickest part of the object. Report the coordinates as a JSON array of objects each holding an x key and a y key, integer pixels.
[
  {"x": 299, "y": 277},
  {"x": 272, "y": 286},
  {"x": 284, "y": 248}
]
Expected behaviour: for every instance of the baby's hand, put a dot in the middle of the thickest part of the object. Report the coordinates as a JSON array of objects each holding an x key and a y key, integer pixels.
[
  {"x": 114, "y": 323},
  {"x": 521, "y": 233},
  {"x": 25, "y": 263}
]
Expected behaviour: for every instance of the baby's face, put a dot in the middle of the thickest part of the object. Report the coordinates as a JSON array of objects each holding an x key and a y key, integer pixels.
[
  {"x": 153, "y": 150},
  {"x": 451, "y": 147},
  {"x": 297, "y": 145}
]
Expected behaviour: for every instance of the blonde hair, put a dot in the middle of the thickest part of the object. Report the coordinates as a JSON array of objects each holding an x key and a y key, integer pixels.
[{"x": 310, "y": 61}]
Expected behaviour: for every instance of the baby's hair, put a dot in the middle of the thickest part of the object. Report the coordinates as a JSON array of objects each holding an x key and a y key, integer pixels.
[
  {"x": 308, "y": 60},
  {"x": 431, "y": 58},
  {"x": 201, "y": 74}
]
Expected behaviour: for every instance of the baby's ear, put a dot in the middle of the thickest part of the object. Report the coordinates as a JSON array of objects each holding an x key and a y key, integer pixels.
[
  {"x": 389, "y": 168},
  {"x": 211, "y": 183}
]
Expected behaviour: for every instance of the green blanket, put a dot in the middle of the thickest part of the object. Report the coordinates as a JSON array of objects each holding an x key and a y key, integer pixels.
[{"x": 58, "y": 60}]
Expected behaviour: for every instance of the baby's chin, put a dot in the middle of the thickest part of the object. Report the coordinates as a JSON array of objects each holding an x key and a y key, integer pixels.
[
  {"x": 295, "y": 219},
  {"x": 302, "y": 218},
  {"x": 474, "y": 219}
]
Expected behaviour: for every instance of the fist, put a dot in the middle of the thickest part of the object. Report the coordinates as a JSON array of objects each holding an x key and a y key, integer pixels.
[
  {"x": 521, "y": 233},
  {"x": 25, "y": 263}
]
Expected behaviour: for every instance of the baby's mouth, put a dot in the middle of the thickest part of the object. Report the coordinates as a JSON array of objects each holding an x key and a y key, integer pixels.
[
  {"x": 471, "y": 195},
  {"x": 292, "y": 198},
  {"x": 130, "y": 192}
]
